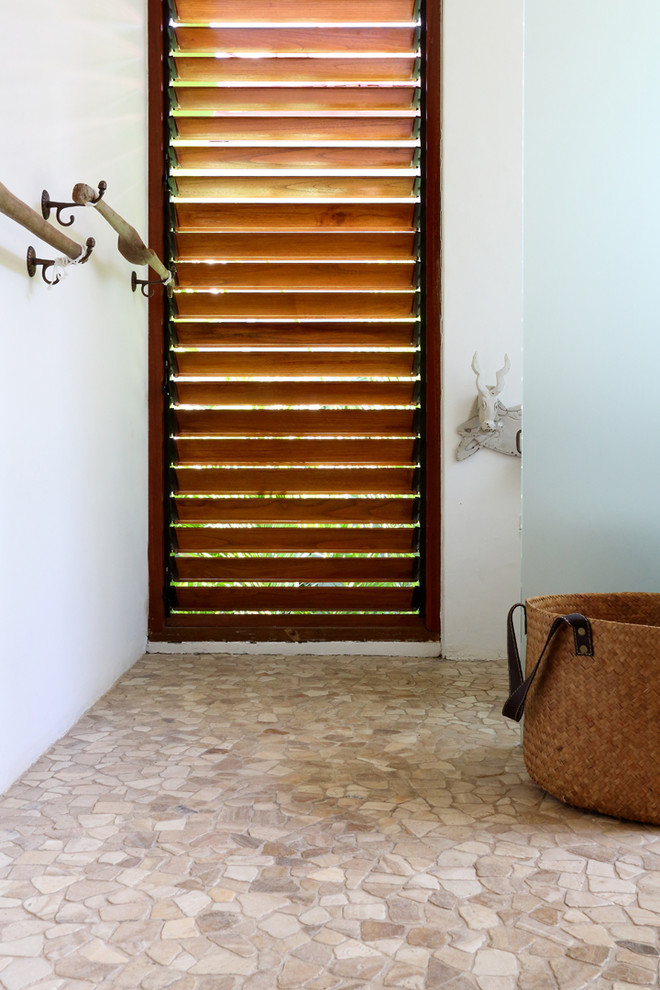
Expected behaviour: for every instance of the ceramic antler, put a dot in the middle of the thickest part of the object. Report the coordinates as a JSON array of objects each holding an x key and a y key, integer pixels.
[
  {"x": 130, "y": 244},
  {"x": 19, "y": 211},
  {"x": 487, "y": 397}
]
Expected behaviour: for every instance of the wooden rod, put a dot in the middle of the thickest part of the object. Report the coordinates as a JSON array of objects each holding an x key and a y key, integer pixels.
[
  {"x": 17, "y": 210},
  {"x": 130, "y": 244}
]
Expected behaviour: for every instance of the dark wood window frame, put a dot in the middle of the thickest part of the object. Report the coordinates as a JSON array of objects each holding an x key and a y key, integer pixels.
[{"x": 282, "y": 628}]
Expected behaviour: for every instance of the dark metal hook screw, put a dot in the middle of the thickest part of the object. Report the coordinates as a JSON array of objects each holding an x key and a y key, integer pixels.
[
  {"x": 144, "y": 284},
  {"x": 48, "y": 204},
  {"x": 33, "y": 262}
]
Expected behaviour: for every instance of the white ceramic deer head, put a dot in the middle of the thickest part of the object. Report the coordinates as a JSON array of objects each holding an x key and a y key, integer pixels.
[
  {"x": 496, "y": 426},
  {"x": 487, "y": 400}
]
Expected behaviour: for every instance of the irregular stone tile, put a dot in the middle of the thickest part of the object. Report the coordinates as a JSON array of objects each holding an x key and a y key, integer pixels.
[
  {"x": 160, "y": 979},
  {"x": 495, "y": 962},
  {"x": 280, "y": 925},
  {"x": 133, "y": 911},
  {"x": 497, "y": 982},
  {"x": 216, "y": 983},
  {"x": 639, "y": 948},
  {"x": 359, "y": 967},
  {"x": 456, "y": 958},
  {"x": 221, "y": 962},
  {"x": 324, "y": 982},
  {"x": 591, "y": 934},
  {"x": 573, "y": 974},
  {"x": 477, "y": 916},
  {"x": 430, "y": 938},
  {"x": 626, "y": 973},
  {"x": 24, "y": 972},
  {"x": 30, "y": 946},
  {"x": 634, "y": 959},
  {"x": 163, "y": 953},
  {"x": 596, "y": 954},
  {"x": 76, "y": 966},
  {"x": 260, "y": 905},
  {"x": 101, "y": 952},
  {"x": 439, "y": 974},
  {"x": 315, "y": 916},
  {"x": 373, "y": 930},
  {"x": 47, "y": 884},
  {"x": 533, "y": 981},
  {"x": 179, "y": 928},
  {"x": 400, "y": 975},
  {"x": 296, "y": 972}
]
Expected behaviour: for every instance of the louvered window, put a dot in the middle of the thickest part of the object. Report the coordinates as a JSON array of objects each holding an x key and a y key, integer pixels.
[{"x": 295, "y": 463}]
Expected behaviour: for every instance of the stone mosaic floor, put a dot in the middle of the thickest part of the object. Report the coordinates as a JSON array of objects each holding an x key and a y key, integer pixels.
[{"x": 217, "y": 823}]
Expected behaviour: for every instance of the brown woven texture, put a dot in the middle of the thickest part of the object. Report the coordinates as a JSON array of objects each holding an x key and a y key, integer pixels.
[{"x": 591, "y": 733}]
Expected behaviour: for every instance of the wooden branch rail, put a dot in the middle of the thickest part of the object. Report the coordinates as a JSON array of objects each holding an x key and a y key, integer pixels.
[
  {"x": 130, "y": 244},
  {"x": 17, "y": 210}
]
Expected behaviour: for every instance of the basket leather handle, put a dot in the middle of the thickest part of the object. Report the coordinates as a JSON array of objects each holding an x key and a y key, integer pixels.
[{"x": 514, "y": 706}]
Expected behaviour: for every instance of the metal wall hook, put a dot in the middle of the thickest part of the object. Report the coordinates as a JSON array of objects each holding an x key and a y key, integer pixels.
[
  {"x": 90, "y": 243},
  {"x": 145, "y": 283},
  {"x": 48, "y": 204},
  {"x": 33, "y": 262}
]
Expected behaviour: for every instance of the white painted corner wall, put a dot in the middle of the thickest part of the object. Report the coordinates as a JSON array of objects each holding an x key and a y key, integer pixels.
[
  {"x": 73, "y": 515},
  {"x": 482, "y": 307}
]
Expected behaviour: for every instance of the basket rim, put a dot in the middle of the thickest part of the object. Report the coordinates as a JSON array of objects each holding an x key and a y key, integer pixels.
[{"x": 537, "y": 601}]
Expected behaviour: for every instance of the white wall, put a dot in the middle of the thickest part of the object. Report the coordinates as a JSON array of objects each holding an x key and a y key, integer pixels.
[
  {"x": 592, "y": 305},
  {"x": 73, "y": 398},
  {"x": 482, "y": 251}
]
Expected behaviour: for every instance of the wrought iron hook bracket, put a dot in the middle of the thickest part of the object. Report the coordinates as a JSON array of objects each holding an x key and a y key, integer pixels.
[
  {"x": 45, "y": 263},
  {"x": 145, "y": 283},
  {"x": 48, "y": 204}
]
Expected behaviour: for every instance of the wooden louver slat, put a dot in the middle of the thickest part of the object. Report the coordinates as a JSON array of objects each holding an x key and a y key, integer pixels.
[
  {"x": 257, "y": 40},
  {"x": 288, "y": 217},
  {"x": 269, "y": 422},
  {"x": 205, "y": 479},
  {"x": 218, "y": 246},
  {"x": 279, "y": 568},
  {"x": 295, "y": 305},
  {"x": 243, "y": 11},
  {"x": 261, "y": 509},
  {"x": 312, "y": 539},
  {"x": 303, "y": 451},
  {"x": 330, "y": 398},
  {"x": 204, "y": 68},
  {"x": 273, "y": 98},
  {"x": 326, "y": 275},
  {"x": 311, "y": 186},
  {"x": 294, "y": 364},
  {"x": 320, "y": 598},
  {"x": 301, "y": 362},
  {"x": 210, "y": 156},
  {"x": 297, "y": 335},
  {"x": 219, "y": 126}
]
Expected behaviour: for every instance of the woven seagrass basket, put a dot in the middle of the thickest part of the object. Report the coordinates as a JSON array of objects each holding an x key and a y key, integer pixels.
[{"x": 591, "y": 735}]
